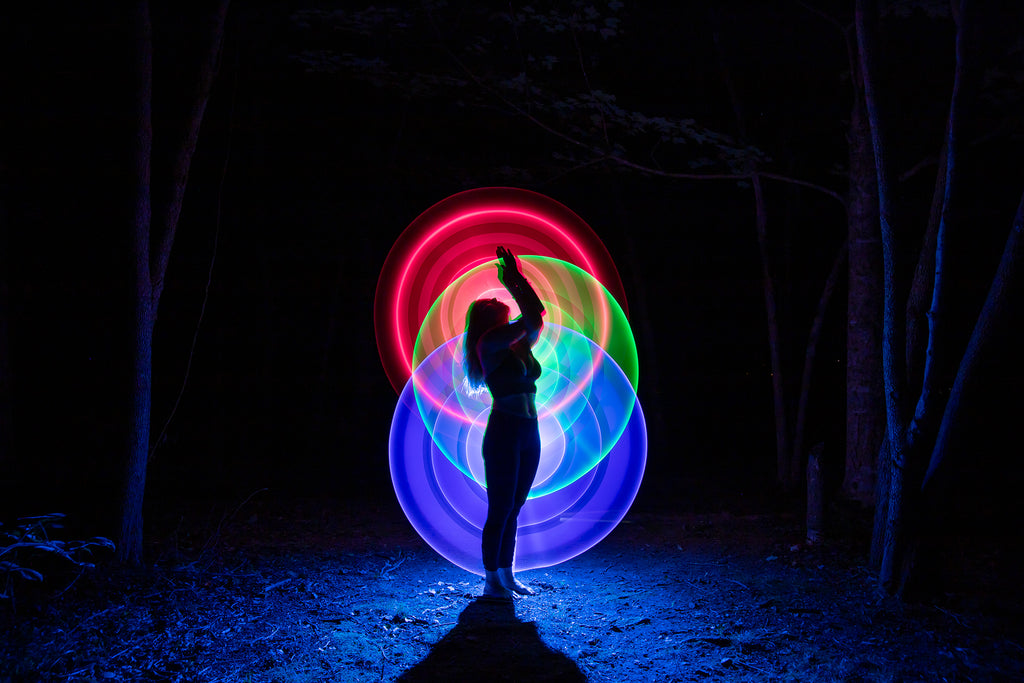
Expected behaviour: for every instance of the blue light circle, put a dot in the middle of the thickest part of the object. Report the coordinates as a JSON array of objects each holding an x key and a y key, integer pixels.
[
  {"x": 592, "y": 460},
  {"x": 584, "y": 402}
]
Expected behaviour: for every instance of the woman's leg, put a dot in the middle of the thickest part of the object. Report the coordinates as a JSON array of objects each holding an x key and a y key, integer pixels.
[
  {"x": 528, "y": 439},
  {"x": 500, "y": 446}
]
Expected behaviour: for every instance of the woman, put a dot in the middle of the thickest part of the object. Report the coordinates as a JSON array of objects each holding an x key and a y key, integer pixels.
[{"x": 498, "y": 355}]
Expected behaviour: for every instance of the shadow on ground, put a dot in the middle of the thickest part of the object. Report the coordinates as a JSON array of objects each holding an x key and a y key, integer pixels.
[{"x": 490, "y": 639}]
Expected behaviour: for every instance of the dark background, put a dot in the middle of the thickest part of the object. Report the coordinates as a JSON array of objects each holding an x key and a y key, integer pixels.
[{"x": 302, "y": 181}]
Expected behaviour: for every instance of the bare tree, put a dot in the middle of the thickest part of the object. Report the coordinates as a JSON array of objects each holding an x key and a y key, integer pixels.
[
  {"x": 6, "y": 388},
  {"x": 865, "y": 421},
  {"x": 152, "y": 239},
  {"x": 916, "y": 458}
]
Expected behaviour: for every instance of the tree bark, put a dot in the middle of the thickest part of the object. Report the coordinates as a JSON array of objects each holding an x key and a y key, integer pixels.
[
  {"x": 934, "y": 489},
  {"x": 151, "y": 264},
  {"x": 6, "y": 378},
  {"x": 939, "y": 365},
  {"x": 796, "y": 467},
  {"x": 910, "y": 441},
  {"x": 642, "y": 317},
  {"x": 993, "y": 315},
  {"x": 893, "y": 332},
  {"x": 920, "y": 294},
  {"x": 167, "y": 218},
  {"x": 865, "y": 406},
  {"x": 783, "y": 454},
  {"x": 881, "y": 517},
  {"x": 815, "y": 516},
  {"x": 129, "y": 546},
  {"x": 938, "y": 368},
  {"x": 782, "y": 440}
]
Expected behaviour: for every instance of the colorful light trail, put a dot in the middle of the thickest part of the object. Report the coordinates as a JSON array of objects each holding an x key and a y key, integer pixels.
[{"x": 594, "y": 441}]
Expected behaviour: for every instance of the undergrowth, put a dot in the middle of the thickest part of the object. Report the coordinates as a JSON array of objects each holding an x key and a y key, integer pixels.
[{"x": 28, "y": 549}]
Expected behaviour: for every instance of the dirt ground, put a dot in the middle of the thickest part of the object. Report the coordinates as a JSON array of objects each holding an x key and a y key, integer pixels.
[{"x": 314, "y": 591}]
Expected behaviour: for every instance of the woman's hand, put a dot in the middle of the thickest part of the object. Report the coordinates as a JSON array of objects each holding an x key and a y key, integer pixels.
[
  {"x": 530, "y": 306},
  {"x": 507, "y": 266}
]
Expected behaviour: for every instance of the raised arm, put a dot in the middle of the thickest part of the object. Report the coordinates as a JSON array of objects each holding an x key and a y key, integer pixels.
[
  {"x": 527, "y": 325},
  {"x": 519, "y": 287}
]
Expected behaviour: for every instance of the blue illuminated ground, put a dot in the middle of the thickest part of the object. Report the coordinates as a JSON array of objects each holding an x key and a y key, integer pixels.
[{"x": 315, "y": 591}]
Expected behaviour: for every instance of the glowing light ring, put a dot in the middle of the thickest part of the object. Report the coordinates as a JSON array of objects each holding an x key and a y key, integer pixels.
[
  {"x": 572, "y": 297},
  {"x": 587, "y": 422},
  {"x": 448, "y": 508},
  {"x": 592, "y": 429},
  {"x": 459, "y": 233}
]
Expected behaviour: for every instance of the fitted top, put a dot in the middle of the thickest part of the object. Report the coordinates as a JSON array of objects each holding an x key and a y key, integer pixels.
[
  {"x": 514, "y": 375},
  {"x": 505, "y": 349}
]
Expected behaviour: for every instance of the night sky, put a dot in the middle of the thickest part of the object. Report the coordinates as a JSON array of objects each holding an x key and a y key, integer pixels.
[{"x": 303, "y": 180}]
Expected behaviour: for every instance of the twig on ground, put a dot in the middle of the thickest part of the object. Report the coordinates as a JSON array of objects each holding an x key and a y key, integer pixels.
[
  {"x": 234, "y": 675},
  {"x": 80, "y": 671},
  {"x": 388, "y": 567},
  {"x": 383, "y": 660},
  {"x": 276, "y": 585},
  {"x": 93, "y": 616},
  {"x": 215, "y": 536},
  {"x": 131, "y": 646},
  {"x": 189, "y": 569},
  {"x": 951, "y": 614},
  {"x": 73, "y": 582},
  {"x": 269, "y": 636},
  {"x": 752, "y": 668}
]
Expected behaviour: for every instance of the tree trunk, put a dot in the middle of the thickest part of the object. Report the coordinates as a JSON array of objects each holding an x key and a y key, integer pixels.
[
  {"x": 939, "y": 366},
  {"x": 800, "y": 428},
  {"x": 932, "y": 494},
  {"x": 151, "y": 264},
  {"x": 924, "y": 278},
  {"x": 642, "y": 317},
  {"x": 783, "y": 455},
  {"x": 784, "y": 474},
  {"x": 910, "y": 441},
  {"x": 893, "y": 332},
  {"x": 6, "y": 379},
  {"x": 815, "y": 516},
  {"x": 881, "y": 518},
  {"x": 993, "y": 315},
  {"x": 167, "y": 218},
  {"x": 865, "y": 406},
  {"x": 129, "y": 546}
]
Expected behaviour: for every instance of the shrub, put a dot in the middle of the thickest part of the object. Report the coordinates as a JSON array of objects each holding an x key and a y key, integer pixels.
[{"x": 29, "y": 542}]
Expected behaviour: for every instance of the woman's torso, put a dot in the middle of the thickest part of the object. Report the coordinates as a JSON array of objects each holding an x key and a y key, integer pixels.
[{"x": 513, "y": 381}]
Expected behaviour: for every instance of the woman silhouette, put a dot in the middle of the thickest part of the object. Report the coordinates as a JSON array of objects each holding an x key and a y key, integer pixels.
[{"x": 498, "y": 354}]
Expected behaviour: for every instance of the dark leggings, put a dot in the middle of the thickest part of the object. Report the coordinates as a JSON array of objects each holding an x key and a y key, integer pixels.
[{"x": 511, "y": 452}]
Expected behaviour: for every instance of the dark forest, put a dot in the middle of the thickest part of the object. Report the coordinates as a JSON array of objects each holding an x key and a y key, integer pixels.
[{"x": 815, "y": 209}]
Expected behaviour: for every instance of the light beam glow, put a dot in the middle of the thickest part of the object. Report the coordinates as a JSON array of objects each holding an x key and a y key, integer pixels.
[
  {"x": 568, "y": 512},
  {"x": 456, "y": 235},
  {"x": 593, "y": 435}
]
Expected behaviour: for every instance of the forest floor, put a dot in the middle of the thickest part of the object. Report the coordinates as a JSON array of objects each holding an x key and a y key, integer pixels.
[{"x": 317, "y": 591}]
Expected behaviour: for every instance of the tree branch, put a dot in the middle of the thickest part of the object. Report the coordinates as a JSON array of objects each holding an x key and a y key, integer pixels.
[
  {"x": 168, "y": 217},
  {"x": 993, "y": 312},
  {"x": 600, "y": 154}
]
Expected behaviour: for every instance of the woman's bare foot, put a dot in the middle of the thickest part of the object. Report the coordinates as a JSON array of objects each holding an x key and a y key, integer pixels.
[
  {"x": 494, "y": 588},
  {"x": 511, "y": 583}
]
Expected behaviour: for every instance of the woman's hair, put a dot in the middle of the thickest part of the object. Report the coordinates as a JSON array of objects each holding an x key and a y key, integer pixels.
[{"x": 483, "y": 315}]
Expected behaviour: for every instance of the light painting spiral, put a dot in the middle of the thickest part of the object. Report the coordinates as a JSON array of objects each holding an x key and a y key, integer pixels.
[
  {"x": 448, "y": 508},
  {"x": 461, "y": 232},
  {"x": 594, "y": 440}
]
